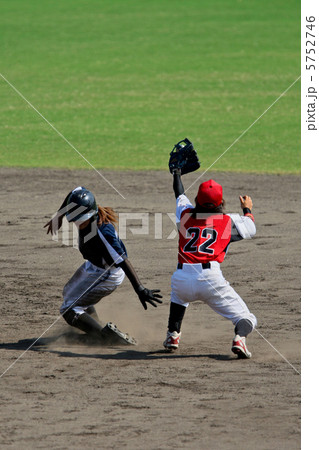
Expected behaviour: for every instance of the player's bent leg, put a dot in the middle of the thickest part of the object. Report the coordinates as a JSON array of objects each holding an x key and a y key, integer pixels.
[
  {"x": 90, "y": 284},
  {"x": 87, "y": 287},
  {"x": 92, "y": 312},
  {"x": 83, "y": 322},
  {"x": 109, "y": 335},
  {"x": 176, "y": 316},
  {"x": 242, "y": 329},
  {"x": 244, "y": 326},
  {"x": 225, "y": 301},
  {"x": 177, "y": 310}
]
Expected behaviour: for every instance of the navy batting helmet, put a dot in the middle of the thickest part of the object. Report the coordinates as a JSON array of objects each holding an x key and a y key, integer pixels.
[{"x": 81, "y": 205}]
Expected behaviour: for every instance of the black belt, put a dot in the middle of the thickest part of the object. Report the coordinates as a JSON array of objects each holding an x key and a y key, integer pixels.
[{"x": 204, "y": 265}]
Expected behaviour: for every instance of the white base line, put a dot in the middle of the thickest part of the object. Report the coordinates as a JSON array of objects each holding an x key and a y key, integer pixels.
[
  {"x": 280, "y": 354},
  {"x": 60, "y": 134},
  {"x": 244, "y": 132},
  {"x": 33, "y": 343}
]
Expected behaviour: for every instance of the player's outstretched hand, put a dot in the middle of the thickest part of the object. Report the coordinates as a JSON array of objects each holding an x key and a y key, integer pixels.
[
  {"x": 149, "y": 296},
  {"x": 246, "y": 202},
  {"x": 54, "y": 224}
]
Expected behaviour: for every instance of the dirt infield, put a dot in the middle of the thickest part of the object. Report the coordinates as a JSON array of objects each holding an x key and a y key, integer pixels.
[{"x": 70, "y": 393}]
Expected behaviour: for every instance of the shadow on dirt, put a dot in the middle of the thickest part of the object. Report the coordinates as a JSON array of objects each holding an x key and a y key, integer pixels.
[{"x": 44, "y": 344}]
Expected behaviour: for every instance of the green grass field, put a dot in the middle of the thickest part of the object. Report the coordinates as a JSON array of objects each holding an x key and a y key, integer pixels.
[{"x": 124, "y": 80}]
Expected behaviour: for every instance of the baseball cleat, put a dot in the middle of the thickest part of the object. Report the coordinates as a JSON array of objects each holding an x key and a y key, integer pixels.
[
  {"x": 113, "y": 336},
  {"x": 239, "y": 347},
  {"x": 172, "y": 340}
]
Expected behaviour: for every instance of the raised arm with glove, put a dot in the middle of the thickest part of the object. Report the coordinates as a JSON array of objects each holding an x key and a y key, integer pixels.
[{"x": 183, "y": 159}]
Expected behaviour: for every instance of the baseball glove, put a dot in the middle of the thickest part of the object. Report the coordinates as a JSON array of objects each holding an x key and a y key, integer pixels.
[{"x": 183, "y": 157}]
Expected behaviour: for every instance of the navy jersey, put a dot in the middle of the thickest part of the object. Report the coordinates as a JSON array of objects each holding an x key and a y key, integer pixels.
[{"x": 101, "y": 245}]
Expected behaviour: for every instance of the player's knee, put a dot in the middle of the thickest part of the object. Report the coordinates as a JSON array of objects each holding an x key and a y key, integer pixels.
[
  {"x": 69, "y": 316},
  {"x": 245, "y": 325},
  {"x": 252, "y": 320}
]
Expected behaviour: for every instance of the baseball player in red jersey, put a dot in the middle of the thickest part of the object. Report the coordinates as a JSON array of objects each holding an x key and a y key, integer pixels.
[{"x": 205, "y": 233}]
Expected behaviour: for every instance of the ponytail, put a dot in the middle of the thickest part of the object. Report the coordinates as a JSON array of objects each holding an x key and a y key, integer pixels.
[{"x": 106, "y": 215}]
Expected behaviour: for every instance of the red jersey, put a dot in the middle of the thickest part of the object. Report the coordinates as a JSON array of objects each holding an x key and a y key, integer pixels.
[{"x": 204, "y": 238}]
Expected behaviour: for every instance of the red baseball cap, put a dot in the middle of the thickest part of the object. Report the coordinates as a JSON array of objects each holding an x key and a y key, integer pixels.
[{"x": 210, "y": 192}]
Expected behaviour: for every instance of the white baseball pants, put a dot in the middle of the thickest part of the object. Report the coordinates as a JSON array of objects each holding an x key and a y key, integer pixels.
[{"x": 192, "y": 283}]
